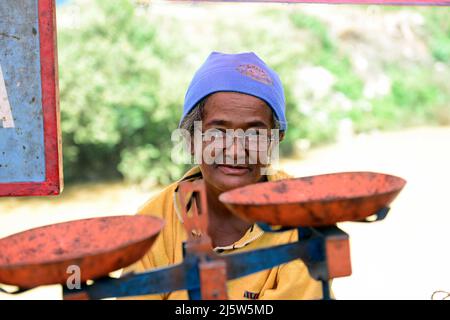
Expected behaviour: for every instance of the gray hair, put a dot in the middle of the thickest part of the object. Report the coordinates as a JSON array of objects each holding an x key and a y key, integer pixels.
[{"x": 196, "y": 114}]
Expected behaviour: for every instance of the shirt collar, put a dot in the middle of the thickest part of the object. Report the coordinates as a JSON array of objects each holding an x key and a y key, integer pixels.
[{"x": 253, "y": 233}]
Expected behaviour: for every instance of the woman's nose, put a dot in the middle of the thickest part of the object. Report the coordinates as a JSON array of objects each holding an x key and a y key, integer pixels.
[{"x": 235, "y": 148}]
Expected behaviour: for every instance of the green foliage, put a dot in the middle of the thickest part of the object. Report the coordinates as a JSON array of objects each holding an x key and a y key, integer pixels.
[
  {"x": 116, "y": 99},
  {"x": 123, "y": 77},
  {"x": 412, "y": 102},
  {"x": 438, "y": 26},
  {"x": 323, "y": 51},
  {"x": 316, "y": 27}
]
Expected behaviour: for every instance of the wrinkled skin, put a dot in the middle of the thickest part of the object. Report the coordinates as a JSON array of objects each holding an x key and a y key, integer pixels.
[{"x": 231, "y": 110}]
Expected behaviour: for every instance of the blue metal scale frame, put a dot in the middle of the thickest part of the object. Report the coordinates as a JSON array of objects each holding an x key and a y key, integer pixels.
[{"x": 313, "y": 248}]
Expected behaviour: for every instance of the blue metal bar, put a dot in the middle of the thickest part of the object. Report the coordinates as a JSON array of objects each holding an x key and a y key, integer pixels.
[
  {"x": 245, "y": 263},
  {"x": 162, "y": 280},
  {"x": 326, "y": 290},
  {"x": 379, "y": 215},
  {"x": 194, "y": 293}
]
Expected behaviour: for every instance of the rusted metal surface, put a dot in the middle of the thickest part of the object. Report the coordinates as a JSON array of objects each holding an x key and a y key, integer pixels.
[
  {"x": 315, "y": 201},
  {"x": 337, "y": 250},
  {"x": 195, "y": 218},
  {"x": 30, "y": 133},
  {"x": 211, "y": 268},
  {"x": 203, "y": 278},
  {"x": 97, "y": 246},
  {"x": 67, "y": 295},
  {"x": 213, "y": 279}
]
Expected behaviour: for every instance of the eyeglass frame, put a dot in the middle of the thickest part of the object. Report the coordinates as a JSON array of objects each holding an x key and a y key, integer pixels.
[{"x": 229, "y": 137}]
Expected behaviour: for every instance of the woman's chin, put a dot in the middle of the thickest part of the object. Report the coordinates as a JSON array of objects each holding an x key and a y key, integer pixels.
[
  {"x": 232, "y": 182},
  {"x": 227, "y": 178}
]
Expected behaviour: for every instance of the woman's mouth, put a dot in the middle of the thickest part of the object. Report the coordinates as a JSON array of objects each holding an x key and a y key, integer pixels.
[{"x": 234, "y": 170}]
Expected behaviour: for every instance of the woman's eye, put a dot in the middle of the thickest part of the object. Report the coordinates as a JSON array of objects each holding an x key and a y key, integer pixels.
[
  {"x": 216, "y": 133},
  {"x": 254, "y": 135}
]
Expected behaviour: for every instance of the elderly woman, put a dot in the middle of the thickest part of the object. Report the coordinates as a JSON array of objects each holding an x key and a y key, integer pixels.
[{"x": 230, "y": 93}]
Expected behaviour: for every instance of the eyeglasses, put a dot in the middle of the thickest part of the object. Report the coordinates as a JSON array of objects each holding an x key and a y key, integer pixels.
[{"x": 252, "y": 140}]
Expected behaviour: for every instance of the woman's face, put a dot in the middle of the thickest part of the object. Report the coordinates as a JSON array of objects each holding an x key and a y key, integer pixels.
[{"x": 231, "y": 110}]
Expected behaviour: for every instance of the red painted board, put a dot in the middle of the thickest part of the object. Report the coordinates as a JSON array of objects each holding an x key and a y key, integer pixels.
[{"x": 30, "y": 139}]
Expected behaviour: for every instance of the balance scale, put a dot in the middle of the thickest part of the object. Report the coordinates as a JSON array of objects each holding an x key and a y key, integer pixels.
[{"x": 312, "y": 205}]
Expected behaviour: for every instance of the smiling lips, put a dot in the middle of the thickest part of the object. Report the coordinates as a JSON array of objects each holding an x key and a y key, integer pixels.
[{"x": 234, "y": 170}]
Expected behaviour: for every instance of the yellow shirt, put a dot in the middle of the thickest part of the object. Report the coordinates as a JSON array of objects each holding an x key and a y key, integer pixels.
[{"x": 288, "y": 281}]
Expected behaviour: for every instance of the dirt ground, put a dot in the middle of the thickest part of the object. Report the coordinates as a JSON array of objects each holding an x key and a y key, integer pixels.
[{"x": 403, "y": 257}]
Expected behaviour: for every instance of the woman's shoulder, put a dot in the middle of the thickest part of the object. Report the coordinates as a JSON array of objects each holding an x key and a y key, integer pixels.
[
  {"x": 162, "y": 204},
  {"x": 159, "y": 204}
]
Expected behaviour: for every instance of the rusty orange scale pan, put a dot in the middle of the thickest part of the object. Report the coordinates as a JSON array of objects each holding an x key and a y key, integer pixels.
[
  {"x": 314, "y": 201},
  {"x": 97, "y": 246}
]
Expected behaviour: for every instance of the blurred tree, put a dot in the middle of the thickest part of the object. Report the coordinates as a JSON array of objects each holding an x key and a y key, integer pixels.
[{"x": 118, "y": 107}]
